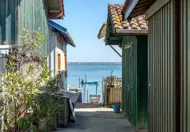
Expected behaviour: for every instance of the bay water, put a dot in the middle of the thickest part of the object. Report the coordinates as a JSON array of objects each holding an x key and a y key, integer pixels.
[{"x": 91, "y": 72}]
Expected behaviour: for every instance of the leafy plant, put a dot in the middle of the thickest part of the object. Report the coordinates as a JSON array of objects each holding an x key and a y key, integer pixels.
[
  {"x": 110, "y": 80},
  {"x": 21, "y": 101}
]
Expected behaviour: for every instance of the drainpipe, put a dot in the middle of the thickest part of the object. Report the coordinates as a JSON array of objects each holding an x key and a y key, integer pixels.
[{"x": 129, "y": 6}]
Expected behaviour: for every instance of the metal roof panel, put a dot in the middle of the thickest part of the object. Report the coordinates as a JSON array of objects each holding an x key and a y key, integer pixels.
[{"x": 63, "y": 31}]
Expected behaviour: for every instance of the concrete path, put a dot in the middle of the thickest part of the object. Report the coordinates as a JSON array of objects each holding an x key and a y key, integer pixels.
[{"x": 98, "y": 119}]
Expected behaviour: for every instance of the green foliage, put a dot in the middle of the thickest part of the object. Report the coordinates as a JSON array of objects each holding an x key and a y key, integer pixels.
[
  {"x": 22, "y": 102},
  {"x": 34, "y": 39},
  {"x": 110, "y": 80}
]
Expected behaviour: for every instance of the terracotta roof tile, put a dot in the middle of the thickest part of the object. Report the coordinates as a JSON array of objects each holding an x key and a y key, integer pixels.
[{"x": 117, "y": 19}]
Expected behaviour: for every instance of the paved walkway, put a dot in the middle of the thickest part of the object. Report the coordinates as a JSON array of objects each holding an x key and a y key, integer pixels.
[{"x": 98, "y": 119}]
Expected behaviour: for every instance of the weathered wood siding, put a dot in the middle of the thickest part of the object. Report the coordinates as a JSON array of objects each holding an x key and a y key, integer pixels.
[
  {"x": 134, "y": 81},
  {"x": 20, "y": 14},
  {"x": 2, "y": 20},
  {"x": 114, "y": 95}
]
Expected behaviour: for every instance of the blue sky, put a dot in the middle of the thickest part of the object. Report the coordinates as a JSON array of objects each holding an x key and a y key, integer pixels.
[{"x": 83, "y": 20}]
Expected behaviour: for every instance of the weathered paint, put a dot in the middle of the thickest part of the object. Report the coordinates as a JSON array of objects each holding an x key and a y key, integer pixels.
[
  {"x": 161, "y": 70},
  {"x": 2, "y": 20},
  {"x": 134, "y": 89},
  {"x": 32, "y": 15},
  {"x": 57, "y": 45},
  {"x": 19, "y": 14}
]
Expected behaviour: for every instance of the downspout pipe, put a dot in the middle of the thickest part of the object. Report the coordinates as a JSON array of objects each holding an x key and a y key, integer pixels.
[{"x": 130, "y": 5}]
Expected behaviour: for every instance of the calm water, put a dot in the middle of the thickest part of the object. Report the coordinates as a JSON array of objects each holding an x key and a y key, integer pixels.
[{"x": 94, "y": 72}]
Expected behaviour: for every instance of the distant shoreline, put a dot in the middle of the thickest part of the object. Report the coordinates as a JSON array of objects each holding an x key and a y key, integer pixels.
[{"x": 96, "y": 63}]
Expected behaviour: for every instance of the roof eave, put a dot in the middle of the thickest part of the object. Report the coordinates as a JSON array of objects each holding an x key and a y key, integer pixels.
[
  {"x": 129, "y": 6},
  {"x": 59, "y": 14},
  {"x": 133, "y": 8},
  {"x": 70, "y": 42},
  {"x": 55, "y": 15},
  {"x": 63, "y": 32},
  {"x": 133, "y": 32}
]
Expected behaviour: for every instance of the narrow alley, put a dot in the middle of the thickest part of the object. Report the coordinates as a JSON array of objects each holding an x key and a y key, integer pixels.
[{"x": 95, "y": 118}]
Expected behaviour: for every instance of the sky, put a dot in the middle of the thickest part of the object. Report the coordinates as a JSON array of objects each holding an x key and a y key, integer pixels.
[{"x": 83, "y": 20}]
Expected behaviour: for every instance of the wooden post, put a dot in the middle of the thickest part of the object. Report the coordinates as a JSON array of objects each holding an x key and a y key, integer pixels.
[
  {"x": 87, "y": 96},
  {"x": 85, "y": 87},
  {"x": 96, "y": 89},
  {"x": 85, "y": 77},
  {"x": 79, "y": 82},
  {"x": 103, "y": 90},
  {"x": 115, "y": 51},
  {"x": 84, "y": 92}
]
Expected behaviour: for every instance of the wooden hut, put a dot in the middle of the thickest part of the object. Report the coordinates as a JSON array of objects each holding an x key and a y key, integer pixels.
[
  {"x": 34, "y": 15},
  {"x": 168, "y": 51},
  {"x": 57, "y": 54},
  {"x": 131, "y": 36},
  {"x": 15, "y": 15}
]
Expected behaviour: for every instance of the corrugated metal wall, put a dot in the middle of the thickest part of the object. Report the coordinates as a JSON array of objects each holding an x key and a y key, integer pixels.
[
  {"x": 185, "y": 65},
  {"x": 161, "y": 70},
  {"x": 22, "y": 14}
]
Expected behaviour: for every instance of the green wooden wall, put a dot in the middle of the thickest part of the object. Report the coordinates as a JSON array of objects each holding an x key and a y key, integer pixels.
[
  {"x": 20, "y": 14},
  {"x": 135, "y": 89},
  {"x": 142, "y": 83},
  {"x": 2, "y": 20}
]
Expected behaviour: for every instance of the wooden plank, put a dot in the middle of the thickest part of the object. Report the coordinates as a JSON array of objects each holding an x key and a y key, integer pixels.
[
  {"x": 113, "y": 42},
  {"x": 155, "y": 7},
  {"x": 114, "y": 96},
  {"x": 55, "y": 15},
  {"x": 132, "y": 31},
  {"x": 94, "y": 96}
]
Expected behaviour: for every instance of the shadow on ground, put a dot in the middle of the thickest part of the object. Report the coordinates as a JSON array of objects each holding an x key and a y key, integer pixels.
[{"x": 98, "y": 119}]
